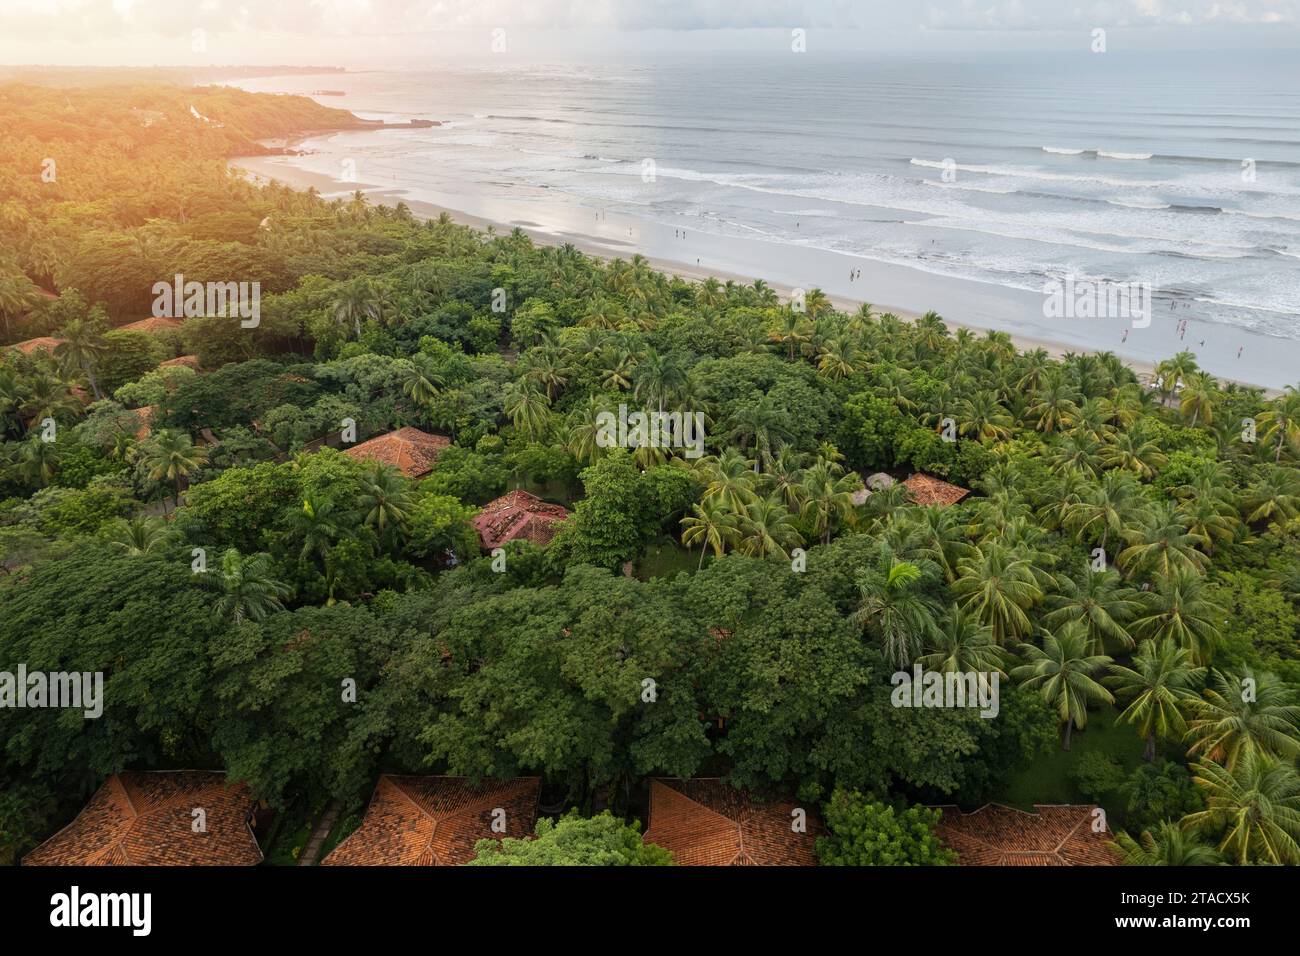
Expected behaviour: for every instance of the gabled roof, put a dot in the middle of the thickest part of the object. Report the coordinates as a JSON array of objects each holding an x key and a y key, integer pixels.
[
  {"x": 435, "y": 821},
  {"x": 518, "y": 516},
  {"x": 188, "y": 361},
  {"x": 409, "y": 450},
  {"x": 152, "y": 324},
  {"x": 708, "y": 823},
  {"x": 148, "y": 819},
  {"x": 928, "y": 490},
  {"x": 995, "y": 835},
  {"x": 29, "y": 346}
]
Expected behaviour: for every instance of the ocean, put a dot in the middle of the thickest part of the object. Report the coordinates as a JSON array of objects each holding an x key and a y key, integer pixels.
[{"x": 1179, "y": 170}]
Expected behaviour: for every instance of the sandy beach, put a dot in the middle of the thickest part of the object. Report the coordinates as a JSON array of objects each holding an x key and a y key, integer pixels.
[{"x": 1266, "y": 361}]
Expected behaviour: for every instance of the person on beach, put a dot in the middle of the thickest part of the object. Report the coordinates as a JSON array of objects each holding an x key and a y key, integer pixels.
[
  {"x": 1239, "y": 348},
  {"x": 1124, "y": 338}
]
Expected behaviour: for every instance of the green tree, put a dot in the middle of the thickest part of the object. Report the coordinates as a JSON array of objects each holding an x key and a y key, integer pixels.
[
  {"x": 1065, "y": 673},
  {"x": 602, "y": 840},
  {"x": 867, "y": 832}
]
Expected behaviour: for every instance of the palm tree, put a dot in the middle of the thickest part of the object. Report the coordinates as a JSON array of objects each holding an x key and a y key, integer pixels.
[
  {"x": 544, "y": 367},
  {"x": 1274, "y": 496},
  {"x": 767, "y": 529},
  {"x": 728, "y": 480},
  {"x": 940, "y": 537},
  {"x": 1055, "y": 407},
  {"x": 1164, "y": 544},
  {"x": 36, "y": 461},
  {"x": 1281, "y": 420},
  {"x": 528, "y": 408},
  {"x": 421, "y": 382},
  {"x": 712, "y": 526},
  {"x": 894, "y": 604},
  {"x": 1173, "y": 372},
  {"x": 1169, "y": 845},
  {"x": 658, "y": 379},
  {"x": 385, "y": 499},
  {"x": 138, "y": 536},
  {"x": 250, "y": 592},
  {"x": 47, "y": 396},
  {"x": 81, "y": 349},
  {"x": 1109, "y": 507},
  {"x": 963, "y": 645},
  {"x": 762, "y": 425},
  {"x": 984, "y": 418},
  {"x": 355, "y": 301},
  {"x": 1143, "y": 458},
  {"x": 1062, "y": 671},
  {"x": 839, "y": 358},
  {"x": 1160, "y": 684},
  {"x": 998, "y": 587},
  {"x": 827, "y": 498},
  {"x": 1256, "y": 805},
  {"x": 1177, "y": 608},
  {"x": 1101, "y": 602},
  {"x": 1211, "y": 516},
  {"x": 318, "y": 525},
  {"x": 1076, "y": 452},
  {"x": 172, "y": 456},
  {"x": 793, "y": 330},
  {"x": 1200, "y": 392},
  {"x": 1235, "y": 718}
]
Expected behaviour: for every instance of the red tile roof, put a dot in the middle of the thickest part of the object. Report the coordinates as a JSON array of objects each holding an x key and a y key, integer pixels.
[
  {"x": 995, "y": 835},
  {"x": 29, "y": 346},
  {"x": 189, "y": 361},
  {"x": 928, "y": 490},
  {"x": 518, "y": 516},
  {"x": 152, "y": 324},
  {"x": 410, "y": 450},
  {"x": 147, "y": 819},
  {"x": 708, "y": 823},
  {"x": 435, "y": 821}
]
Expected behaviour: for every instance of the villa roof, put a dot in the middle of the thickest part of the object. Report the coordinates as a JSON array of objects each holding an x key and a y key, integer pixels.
[
  {"x": 518, "y": 516},
  {"x": 188, "y": 361},
  {"x": 996, "y": 835},
  {"x": 708, "y": 823},
  {"x": 928, "y": 490},
  {"x": 409, "y": 450},
  {"x": 152, "y": 324},
  {"x": 435, "y": 821},
  {"x": 29, "y": 346},
  {"x": 148, "y": 819}
]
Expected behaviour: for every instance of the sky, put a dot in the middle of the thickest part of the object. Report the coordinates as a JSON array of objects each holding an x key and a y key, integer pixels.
[{"x": 376, "y": 33}]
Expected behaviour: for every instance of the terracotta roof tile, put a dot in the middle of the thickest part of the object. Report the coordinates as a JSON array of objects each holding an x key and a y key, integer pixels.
[
  {"x": 152, "y": 324},
  {"x": 518, "y": 516},
  {"x": 146, "y": 819},
  {"x": 435, "y": 821},
  {"x": 995, "y": 835},
  {"x": 928, "y": 490},
  {"x": 708, "y": 823},
  {"x": 46, "y": 342},
  {"x": 410, "y": 450}
]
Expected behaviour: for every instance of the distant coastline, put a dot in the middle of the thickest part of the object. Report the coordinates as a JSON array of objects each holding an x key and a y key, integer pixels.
[{"x": 285, "y": 170}]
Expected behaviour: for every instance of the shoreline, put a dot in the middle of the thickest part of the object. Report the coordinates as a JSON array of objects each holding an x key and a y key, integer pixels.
[{"x": 607, "y": 248}]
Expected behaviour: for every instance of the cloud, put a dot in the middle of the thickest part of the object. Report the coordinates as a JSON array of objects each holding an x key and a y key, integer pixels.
[{"x": 176, "y": 18}]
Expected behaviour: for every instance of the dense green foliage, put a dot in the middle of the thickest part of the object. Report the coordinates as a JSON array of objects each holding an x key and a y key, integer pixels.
[
  {"x": 602, "y": 840},
  {"x": 1125, "y": 546}
]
